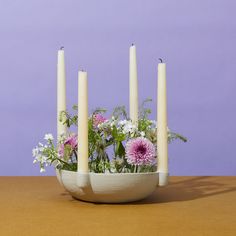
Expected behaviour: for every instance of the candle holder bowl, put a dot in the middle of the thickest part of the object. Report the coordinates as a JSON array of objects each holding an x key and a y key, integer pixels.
[{"x": 108, "y": 187}]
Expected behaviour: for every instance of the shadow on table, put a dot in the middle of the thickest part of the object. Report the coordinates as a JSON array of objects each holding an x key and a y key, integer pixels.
[
  {"x": 184, "y": 190},
  {"x": 188, "y": 189}
]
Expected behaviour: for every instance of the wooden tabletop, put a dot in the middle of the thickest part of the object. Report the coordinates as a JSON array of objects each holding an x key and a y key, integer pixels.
[{"x": 187, "y": 206}]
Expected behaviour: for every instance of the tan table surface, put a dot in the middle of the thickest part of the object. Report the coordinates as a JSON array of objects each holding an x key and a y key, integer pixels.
[{"x": 187, "y": 206}]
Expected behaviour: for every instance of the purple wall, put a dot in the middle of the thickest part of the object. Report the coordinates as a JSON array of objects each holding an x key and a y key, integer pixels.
[{"x": 195, "y": 38}]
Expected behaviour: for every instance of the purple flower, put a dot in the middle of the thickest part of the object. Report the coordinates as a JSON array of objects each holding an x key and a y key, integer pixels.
[
  {"x": 98, "y": 119},
  {"x": 61, "y": 150},
  {"x": 71, "y": 140},
  {"x": 140, "y": 151}
]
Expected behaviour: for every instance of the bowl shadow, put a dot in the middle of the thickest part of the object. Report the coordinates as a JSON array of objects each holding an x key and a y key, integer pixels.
[
  {"x": 183, "y": 189},
  {"x": 187, "y": 189}
]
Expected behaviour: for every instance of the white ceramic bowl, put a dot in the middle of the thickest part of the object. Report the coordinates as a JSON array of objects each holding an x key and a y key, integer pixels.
[{"x": 108, "y": 188}]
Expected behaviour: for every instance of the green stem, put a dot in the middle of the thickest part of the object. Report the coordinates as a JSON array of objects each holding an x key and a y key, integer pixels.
[
  {"x": 65, "y": 163},
  {"x": 75, "y": 155},
  {"x": 179, "y": 136}
]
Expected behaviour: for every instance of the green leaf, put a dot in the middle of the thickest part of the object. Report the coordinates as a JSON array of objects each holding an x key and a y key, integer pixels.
[
  {"x": 172, "y": 136},
  {"x": 120, "y": 111},
  {"x": 120, "y": 150},
  {"x": 75, "y": 107},
  {"x": 99, "y": 110},
  {"x": 143, "y": 111},
  {"x": 114, "y": 132}
]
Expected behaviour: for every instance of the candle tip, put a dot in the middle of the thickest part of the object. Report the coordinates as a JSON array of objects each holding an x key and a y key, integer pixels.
[
  {"x": 132, "y": 44},
  {"x": 62, "y": 48},
  {"x": 160, "y": 60}
]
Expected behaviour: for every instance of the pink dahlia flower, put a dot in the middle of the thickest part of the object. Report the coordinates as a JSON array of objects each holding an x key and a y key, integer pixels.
[
  {"x": 140, "y": 151},
  {"x": 71, "y": 140},
  {"x": 98, "y": 119}
]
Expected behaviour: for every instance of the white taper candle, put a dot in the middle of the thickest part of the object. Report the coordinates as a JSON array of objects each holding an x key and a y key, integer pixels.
[
  {"x": 133, "y": 85},
  {"x": 82, "y": 122},
  {"x": 162, "y": 142},
  {"x": 61, "y": 91}
]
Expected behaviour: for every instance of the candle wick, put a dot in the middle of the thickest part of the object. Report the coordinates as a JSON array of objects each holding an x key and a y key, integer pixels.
[
  {"x": 160, "y": 60},
  {"x": 132, "y": 44},
  {"x": 62, "y": 48}
]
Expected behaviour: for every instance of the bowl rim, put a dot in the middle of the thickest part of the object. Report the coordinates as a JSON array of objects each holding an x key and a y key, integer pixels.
[{"x": 109, "y": 174}]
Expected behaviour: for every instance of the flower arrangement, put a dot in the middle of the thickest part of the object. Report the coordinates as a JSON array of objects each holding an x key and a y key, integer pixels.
[{"x": 116, "y": 145}]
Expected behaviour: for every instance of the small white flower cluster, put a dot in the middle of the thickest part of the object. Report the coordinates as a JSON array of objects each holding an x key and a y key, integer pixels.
[
  {"x": 154, "y": 124},
  {"x": 142, "y": 134},
  {"x": 108, "y": 124},
  {"x": 38, "y": 153},
  {"x": 103, "y": 125},
  {"x": 113, "y": 122},
  {"x": 48, "y": 137},
  {"x": 128, "y": 127}
]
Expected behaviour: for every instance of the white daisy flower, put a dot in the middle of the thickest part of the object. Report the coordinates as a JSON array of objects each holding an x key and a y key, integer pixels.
[
  {"x": 142, "y": 134},
  {"x": 35, "y": 152},
  {"x": 48, "y": 137}
]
